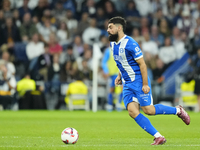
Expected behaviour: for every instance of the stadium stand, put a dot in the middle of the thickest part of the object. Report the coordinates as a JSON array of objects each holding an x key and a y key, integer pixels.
[{"x": 69, "y": 28}]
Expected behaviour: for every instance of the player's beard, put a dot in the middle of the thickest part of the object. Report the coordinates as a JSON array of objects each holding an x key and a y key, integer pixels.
[{"x": 113, "y": 37}]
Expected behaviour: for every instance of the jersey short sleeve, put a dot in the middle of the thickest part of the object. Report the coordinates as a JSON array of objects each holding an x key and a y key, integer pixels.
[{"x": 134, "y": 50}]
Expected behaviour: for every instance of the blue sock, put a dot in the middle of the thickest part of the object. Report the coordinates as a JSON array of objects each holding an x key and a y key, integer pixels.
[
  {"x": 145, "y": 124},
  {"x": 162, "y": 109},
  {"x": 110, "y": 99}
]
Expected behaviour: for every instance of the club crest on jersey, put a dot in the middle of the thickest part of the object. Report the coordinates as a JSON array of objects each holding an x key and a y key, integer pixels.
[{"x": 121, "y": 50}]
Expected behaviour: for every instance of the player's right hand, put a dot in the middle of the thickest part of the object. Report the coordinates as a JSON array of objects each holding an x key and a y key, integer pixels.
[{"x": 118, "y": 81}]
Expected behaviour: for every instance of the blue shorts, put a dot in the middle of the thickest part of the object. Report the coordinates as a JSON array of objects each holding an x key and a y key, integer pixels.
[
  {"x": 132, "y": 92},
  {"x": 112, "y": 80}
]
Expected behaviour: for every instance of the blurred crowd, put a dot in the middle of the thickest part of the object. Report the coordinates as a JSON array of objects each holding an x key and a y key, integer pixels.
[{"x": 52, "y": 40}]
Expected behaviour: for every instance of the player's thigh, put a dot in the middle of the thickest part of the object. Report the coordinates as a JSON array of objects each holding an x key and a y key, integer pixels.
[
  {"x": 129, "y": 96},
  {"x": 133, "y": 109}
]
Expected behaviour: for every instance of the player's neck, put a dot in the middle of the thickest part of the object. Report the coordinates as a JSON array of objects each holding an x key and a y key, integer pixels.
[{"x": 121, "y": 35}]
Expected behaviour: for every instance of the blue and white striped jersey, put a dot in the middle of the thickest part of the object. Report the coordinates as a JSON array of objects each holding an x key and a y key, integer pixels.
[{"x": 125, "y": 52}]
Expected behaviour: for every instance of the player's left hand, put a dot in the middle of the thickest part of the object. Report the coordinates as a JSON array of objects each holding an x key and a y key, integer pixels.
[{"x": 145, "y": 89}]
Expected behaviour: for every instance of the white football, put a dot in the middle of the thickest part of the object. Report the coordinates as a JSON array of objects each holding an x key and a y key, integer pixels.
[{"x": 69, "y": 136}]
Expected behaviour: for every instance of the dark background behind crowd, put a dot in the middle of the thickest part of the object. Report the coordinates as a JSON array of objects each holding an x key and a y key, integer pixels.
[{"x": 51, "y": 41}]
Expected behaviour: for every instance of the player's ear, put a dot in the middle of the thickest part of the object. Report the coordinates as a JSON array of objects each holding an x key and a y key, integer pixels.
[{"x": 120, "y": 28}]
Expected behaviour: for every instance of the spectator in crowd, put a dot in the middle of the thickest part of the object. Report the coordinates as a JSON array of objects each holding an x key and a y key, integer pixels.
[
  {"x": 156, "y": 36},
  {"x": 167, "y": 53},
  {"x": 16, "y": 19},
  {"x": 71, "y": 22},
  {"x": 67, "y": 55},
  {"x": 110, "y": 10},
  {"x": 9, "y": 65},
  {"x": 59, "y": 11},
  {"x": 86, "y": 72},
  {"x": 6, "y": 7},
  {"x": 164, "y": 28},
  {"x": 196, "y": 12},
  {"x": 10, "y": 34},
  {"x": 155, "y": 6},
  {"x": 195, "y": 41},
  {"x": 44, "y": 62},
  {"x": 120, "y": 5},
  {"x": 136, "y": 35},
  {"x": 90, "y": 8},
  {"x": 7, "y": 86},
  {"x": 77, "y": 46},
  {"x": 143, "y": 7},
  {"x": 103, "y": 43},
  {"x": 132, "y": 14},
  {"x": 24, "y": 9},
  {"x": 46, "y": 29},
  {"x": 70, "y": 5},
  {"x": 68, "y": 72},
  {"x": 186, "y": 23},
  {"x": 38, "y": 11},
  {"x": 83, "y": 23},
  {"x": 104, "y": 30},
  {"x": 47, "y": 14},
  {"x": 178, "y": 42},
  {"x": 2, "y": 19},
  {"x": 87, "y": 55},
  {"x": 100, "y": 17},
  {"x": 92, "y": 33},
  {"x": 158, "y": 17},
  {"x": 19, "y": 3},
  {"x": 54, "y": 74},
  {"x": 149, "y": 46},
  {"x": 34, "y": 48},
  {"x": 159, "y": 70},
  {"x": 63, "y": 34},
  {"x": 27, "y": 29},
  {"x": 54, "y": 46},
  {"x": 185, "y": 5},
  {"x": 169, "y": 9},
  {"x": 144, "y": 25},
  {"x": 176, "y": 36}
]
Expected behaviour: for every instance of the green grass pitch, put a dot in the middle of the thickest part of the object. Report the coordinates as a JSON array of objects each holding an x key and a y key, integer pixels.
[{"x": 41, "y": 130}]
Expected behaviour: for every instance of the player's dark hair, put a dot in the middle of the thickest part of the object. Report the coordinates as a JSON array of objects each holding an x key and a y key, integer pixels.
[{"x": 118, "y": 20}]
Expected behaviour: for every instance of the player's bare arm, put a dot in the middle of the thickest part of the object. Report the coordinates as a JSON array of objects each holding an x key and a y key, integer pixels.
[
  {"x": 118, "y": 80},
  {"x": 143, "y": 70}
]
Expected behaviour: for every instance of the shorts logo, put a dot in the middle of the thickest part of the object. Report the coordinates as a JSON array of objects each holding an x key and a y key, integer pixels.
[
  {"x": 121, "y": 50},
  {"x": 143, "y": 95}
]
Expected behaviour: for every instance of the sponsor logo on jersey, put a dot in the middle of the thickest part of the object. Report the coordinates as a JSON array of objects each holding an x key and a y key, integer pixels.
[
  {"x": 118, "y": 58},
  {"x": 138, "y": 51}
]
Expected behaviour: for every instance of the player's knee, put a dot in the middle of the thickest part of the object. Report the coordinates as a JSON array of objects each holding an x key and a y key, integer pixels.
[
  {"x": 149, "y": 111},
  {"x": 133, "y": 114}
]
